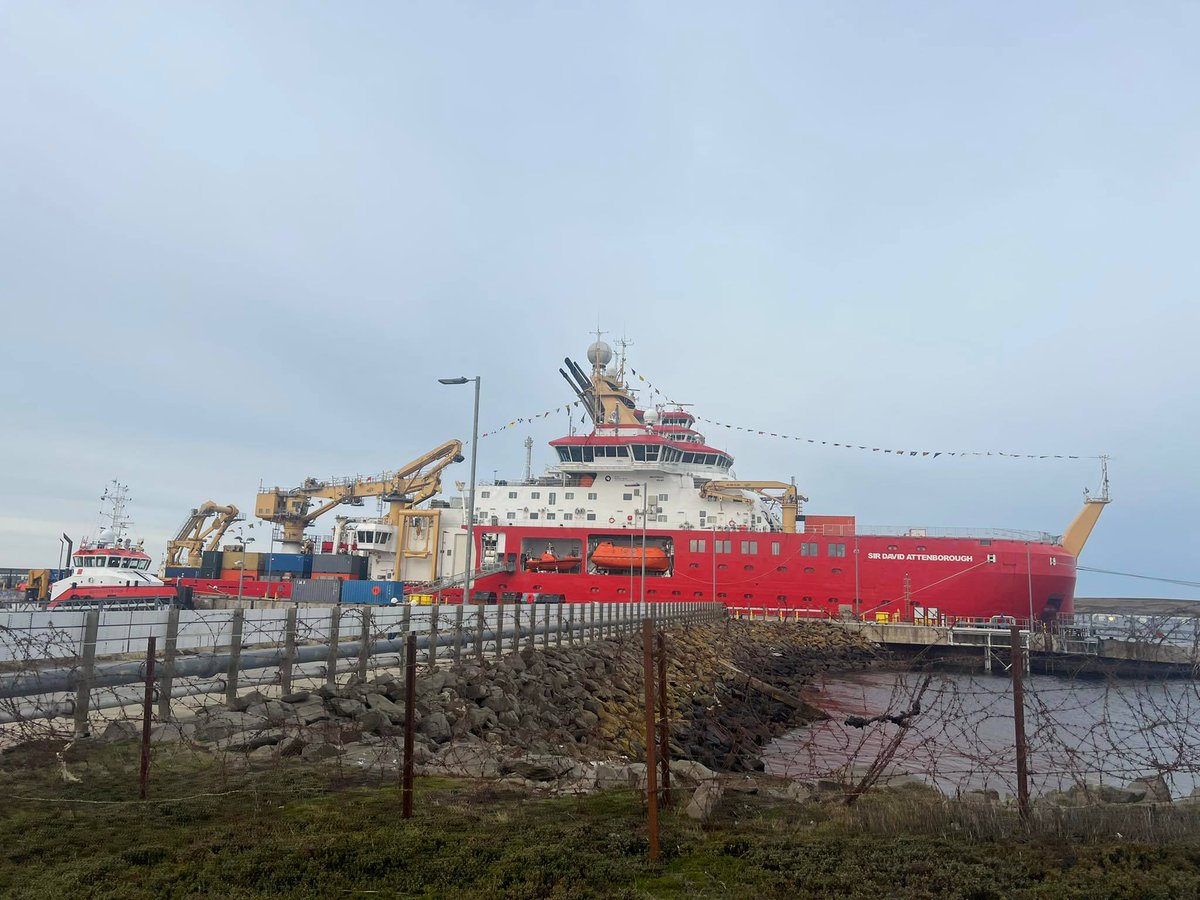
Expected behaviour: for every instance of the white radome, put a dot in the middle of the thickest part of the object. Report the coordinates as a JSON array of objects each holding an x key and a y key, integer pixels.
[{"x": 599, "y": 354}]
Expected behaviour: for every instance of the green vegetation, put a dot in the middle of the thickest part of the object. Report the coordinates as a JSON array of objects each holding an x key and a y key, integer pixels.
[{"x": 293, "y": 831}]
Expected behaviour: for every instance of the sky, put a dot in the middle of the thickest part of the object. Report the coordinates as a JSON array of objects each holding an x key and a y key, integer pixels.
[{"x": 241, "y": 242}]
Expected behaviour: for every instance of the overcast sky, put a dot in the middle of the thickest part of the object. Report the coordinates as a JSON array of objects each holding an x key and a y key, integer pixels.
[{"x": 240, "y": 242}]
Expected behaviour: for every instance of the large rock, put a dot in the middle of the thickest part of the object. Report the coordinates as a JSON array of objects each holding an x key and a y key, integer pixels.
[
  {"x": 373, "y": 720},
  {"x": 171, "y": 732},
  {"x": 245, "y": 701},
  {"x": 344, "y": 706},
  {"x": 380, "y": 702},
  {"x": 692, "y": 771},
  {"x": 121, "y": 730},
  {"x": 539, "y": 767},
  {"x": 1155, "y": 787},
  {"x": 704, "y": 801},
  {"x": 467, "y": 761},
  {"x": 436, "y": 726}
]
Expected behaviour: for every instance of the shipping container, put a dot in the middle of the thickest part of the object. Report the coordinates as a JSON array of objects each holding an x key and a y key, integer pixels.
[
  {"x": 317, "y": 590},
  {"x": 277, "y": 563},
  {"x": 211, "y": 564},
  {"x": 237, "y": 559},
  {"x": 237, "y": 575},
  {"x": 333, "y": 562},
  {"x": 387, "y": 593},
  {"x": 183, "y": 571}
]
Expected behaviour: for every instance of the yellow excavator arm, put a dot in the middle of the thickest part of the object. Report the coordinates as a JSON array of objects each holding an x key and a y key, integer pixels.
[
  {"x": 195, "y": 536},
  {"x": 788, "y": 498}
]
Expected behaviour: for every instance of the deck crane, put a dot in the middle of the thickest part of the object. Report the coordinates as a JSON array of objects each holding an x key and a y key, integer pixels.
[
  {"x": 402, "y": 489},
  {"x": 195, "y": 536},
  {"x": 789, "y": 500}
]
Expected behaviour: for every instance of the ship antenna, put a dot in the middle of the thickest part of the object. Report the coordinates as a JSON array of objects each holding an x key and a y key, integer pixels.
[{"x": 1104, "y": 478}]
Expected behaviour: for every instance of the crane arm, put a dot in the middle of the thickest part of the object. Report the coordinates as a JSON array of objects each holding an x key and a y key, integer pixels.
[
  {"x": 194, "y": 538},
  {"x": 788, "y": 498}
]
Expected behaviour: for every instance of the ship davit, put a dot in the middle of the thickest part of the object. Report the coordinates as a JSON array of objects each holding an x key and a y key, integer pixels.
[{"x": 610, "y": 556}]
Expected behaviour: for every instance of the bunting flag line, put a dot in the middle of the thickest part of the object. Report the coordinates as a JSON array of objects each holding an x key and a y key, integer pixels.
[{"x": 931, "y": 454}]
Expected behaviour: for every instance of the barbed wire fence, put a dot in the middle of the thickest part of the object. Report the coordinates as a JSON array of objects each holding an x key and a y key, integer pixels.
[{"x": 564, "y": 699}]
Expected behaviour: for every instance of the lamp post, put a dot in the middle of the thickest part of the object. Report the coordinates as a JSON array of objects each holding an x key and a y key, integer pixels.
[
  {"x": 644, "y": 485},
  {"x": 242, "y": 571},
  {"x": 470, "y": 497}
]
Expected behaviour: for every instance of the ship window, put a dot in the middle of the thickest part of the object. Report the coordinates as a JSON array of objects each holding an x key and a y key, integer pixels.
[
  {"x": 807, "y": 549},
  {"x": 569, "y": 495},
  {"x": 552, "y": 499},
  {"x": 485, "y": 494},
  {"x": 697, "y": 546},
  {"x": 535, "y": 495},
  {"x": 114, "y": 562},
  {"x": 627, "y": 496},
  {"x": 808, "y": 570},
  {"x": 781, "y": 568},
  {"x": 550, "y": 516},
  {"x": 651, "y": 453},
  {"x": 567, "y": 516},
  {"x": 639, "y": 452},
  {"x": 723, "y": 546},
  {"x": 664, "y": 497},
  {"x": 721, "y": 595},
  {"x": 722, "y": 566},
  {"x": 983, "y": 543},
  {"x": 512, "y": 495},
  {"x": 511, "y": 516},
  {"x": 564, "y": 454},
  {"x": 806, "y": 599},
  {"x": 533, "y": 515},
  {"x": 774, "y": 548},
  {"x": 893, "y": 547},
  {"x": 920, "y": 548},
  {"x": 750, "y": 546},
  {"x": 591, "y": 496},
  {"x": 837, "y": 571},
  {"x": 693, "y": 565},
  {"x": 662, "y": 518},
  {"x": 591, "y": 517},
  {"x": 748, "y": 568},
  {"x": 837, "y": 549},
  {"x": 588, "y": 454}
]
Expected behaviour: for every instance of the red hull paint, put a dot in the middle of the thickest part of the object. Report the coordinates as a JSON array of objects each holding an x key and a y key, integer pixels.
[
  {"x": 896, "y": 576},
  {"x": 114, "y": 592}
]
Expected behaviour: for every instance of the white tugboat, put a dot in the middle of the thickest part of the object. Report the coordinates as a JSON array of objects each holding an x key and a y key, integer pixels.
[{"x": 111, "y": 571}]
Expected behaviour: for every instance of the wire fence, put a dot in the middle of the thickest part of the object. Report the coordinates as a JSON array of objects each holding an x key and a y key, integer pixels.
[{"x": 678, "y": 703}]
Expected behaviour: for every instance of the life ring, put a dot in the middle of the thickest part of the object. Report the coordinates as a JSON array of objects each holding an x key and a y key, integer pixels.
[
  {"x": 731, "y": 525},
  {"x": 611, "y": 520},
  {"x": 608, "y": 478}
]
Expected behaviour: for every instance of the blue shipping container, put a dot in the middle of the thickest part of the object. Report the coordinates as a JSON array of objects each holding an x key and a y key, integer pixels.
[
  {"x": 296, "y": 563},
  {"x": 379, "y": 592}
]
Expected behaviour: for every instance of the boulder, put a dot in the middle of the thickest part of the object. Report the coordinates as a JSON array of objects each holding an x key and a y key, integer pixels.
[
  {"x": 373, "y": 720},
  {"x": 539, "y": 767},
  {"x": 346, "y": 707},
  {"x": 319, "y": 750},
  {"x": 704, "y": 801},
  {"x": 245, "y": 701},
  {"x": 436, "y": 726},
  {"x": 121, "y": 730},
  {"x": 380, "y": 702},
  {"x": 1155, "y": 787},
  {"x": 692, "y": 771},
  {"x": 171, "y": 732},
  {"x": 466, "y": 761}
]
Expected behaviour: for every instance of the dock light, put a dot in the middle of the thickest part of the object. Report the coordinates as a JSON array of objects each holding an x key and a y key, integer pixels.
[{"x": 462, "y": 379}]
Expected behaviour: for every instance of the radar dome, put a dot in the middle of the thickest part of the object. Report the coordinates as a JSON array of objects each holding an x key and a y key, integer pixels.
[
  {"x": 599, "y": 354},
  {"x": 651, "y": 417}
]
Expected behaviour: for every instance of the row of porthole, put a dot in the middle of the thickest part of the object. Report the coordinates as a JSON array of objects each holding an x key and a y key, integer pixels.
[{"x": 808, "y": 570}]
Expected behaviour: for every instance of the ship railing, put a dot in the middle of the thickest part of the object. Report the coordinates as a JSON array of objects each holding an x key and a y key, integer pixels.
[{"x": 911, "y": 531}]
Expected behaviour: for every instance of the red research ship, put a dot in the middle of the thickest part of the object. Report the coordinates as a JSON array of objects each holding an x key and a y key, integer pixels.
[{"x": 644, "y": 485}]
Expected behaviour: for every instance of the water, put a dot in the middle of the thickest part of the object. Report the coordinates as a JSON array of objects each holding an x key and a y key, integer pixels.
[{"x": 1079, "y": 731}]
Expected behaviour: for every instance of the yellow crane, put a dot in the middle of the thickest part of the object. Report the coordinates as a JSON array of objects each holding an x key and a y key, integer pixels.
[
  {"x": 197, "y": 534},
  {"x": 403, "y": 489},
  {"x": 788, "y": 498}
]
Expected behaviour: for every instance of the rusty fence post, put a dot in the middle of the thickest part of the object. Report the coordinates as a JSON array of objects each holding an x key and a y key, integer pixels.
[
  {"x": 364, "y": 646},
  {"x": 651, "y": 765},
  {"x": 1016, "y": 667},
  {"x": 410, "y": 704},
  {"x": 147, "y": 713},
  {"x": 289, "y": 651},
  {"x": 87, "y": 668},
  {"x": 664, "y": 720},
  {"x": 458, "y": 633},
  {"x": 166, "y": 682},
  {"x": 335, "y": 624},
  {"x": 235, "y": 656}
]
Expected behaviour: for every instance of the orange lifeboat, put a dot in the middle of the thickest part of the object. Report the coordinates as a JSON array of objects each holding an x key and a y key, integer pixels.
[
  {"x": 612, "y": 556},
  {"x": 548, "y": 562}
]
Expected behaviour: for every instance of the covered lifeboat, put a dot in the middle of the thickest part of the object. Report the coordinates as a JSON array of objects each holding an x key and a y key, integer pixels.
[{"x": 610, "y": 556}]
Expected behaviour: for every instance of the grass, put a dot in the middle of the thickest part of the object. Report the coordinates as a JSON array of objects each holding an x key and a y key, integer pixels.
[{"x": 293, "y": 831}]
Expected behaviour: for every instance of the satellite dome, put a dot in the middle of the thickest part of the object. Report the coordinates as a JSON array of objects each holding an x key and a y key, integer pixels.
[
  {"x": 599, "y": 354},
  {"x": 651, "y": 417}
]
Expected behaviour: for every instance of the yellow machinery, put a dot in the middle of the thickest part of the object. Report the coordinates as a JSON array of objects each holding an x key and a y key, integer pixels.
[
  {"x": 37, "y": 585},
  {"x": 195, "y": 536},
  {"x": 1081, "y": 527},
  {"x": 789, "y": 500},
  {"x": 403, "y": 490}
]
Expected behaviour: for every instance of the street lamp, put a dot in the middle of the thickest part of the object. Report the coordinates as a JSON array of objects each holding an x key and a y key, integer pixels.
[
  {"x": 242, "y": 571},
  {"x": 471, "y": 497},
  {"x": 645, "y": 500}
]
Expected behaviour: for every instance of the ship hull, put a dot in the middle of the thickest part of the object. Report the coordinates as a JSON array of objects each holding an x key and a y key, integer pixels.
[{"x": 870, "y": 576}]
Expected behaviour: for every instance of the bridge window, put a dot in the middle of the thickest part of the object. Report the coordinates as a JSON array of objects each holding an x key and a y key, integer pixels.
[
  {"x": 837, "y": 549},
  {"x": 114, "y": 562}
]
